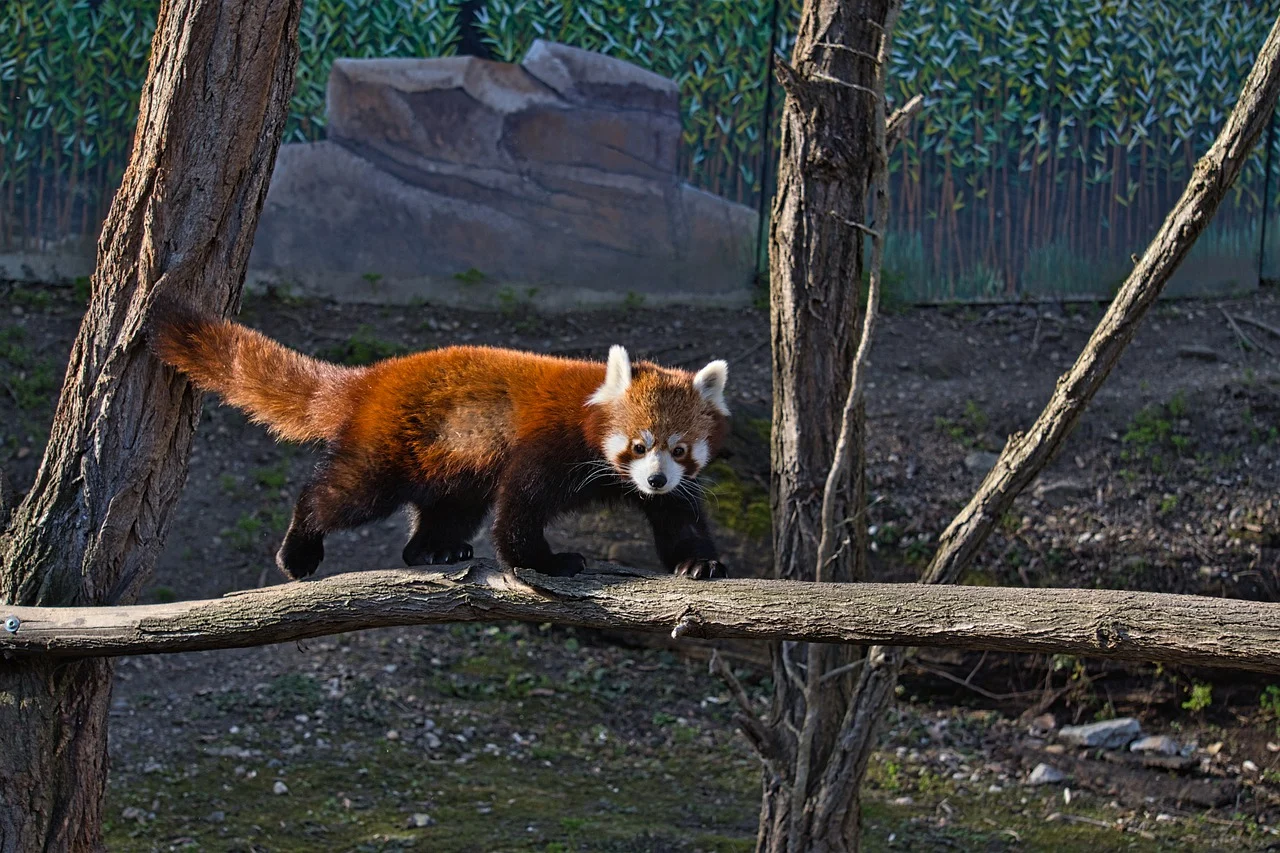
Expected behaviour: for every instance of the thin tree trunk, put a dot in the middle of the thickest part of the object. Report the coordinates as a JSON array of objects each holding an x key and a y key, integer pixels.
[
  {"x": 825, "y": 160},
  {"x": 88, "y": 533}
]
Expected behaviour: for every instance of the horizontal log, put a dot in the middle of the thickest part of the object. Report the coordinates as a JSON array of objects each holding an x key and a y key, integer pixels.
[{"x": 1139, "y": 626}]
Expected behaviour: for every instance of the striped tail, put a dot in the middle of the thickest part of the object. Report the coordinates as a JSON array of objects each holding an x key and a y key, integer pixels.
[{"x": 296, "y": 397}]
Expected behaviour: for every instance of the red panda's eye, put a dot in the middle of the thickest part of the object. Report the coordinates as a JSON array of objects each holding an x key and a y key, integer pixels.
[
  {"x": 639, "y": 449},
  {"x": 677, "y": 453}
]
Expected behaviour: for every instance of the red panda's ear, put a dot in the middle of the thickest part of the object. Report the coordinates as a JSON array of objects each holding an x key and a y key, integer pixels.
[
  {"x": 710, "y": 381},
  {"x": 617, "y": 378}
]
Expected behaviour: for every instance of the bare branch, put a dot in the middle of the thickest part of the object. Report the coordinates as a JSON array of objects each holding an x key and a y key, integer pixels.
[
  {"x": 1183, "y": 629},
  {"x": 1254, "y": 321},
  {"x": 897, "y": 124}
]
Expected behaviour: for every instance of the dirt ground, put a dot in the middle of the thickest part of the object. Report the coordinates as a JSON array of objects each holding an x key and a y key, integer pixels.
[{"x": 540, "y": 738}]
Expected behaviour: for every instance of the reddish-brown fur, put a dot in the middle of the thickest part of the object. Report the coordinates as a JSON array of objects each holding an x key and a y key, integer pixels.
[{"x": 450, "y": 432}]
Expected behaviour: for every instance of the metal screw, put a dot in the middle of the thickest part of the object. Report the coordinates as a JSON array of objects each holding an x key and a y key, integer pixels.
[{"x": 11, "y": 624}]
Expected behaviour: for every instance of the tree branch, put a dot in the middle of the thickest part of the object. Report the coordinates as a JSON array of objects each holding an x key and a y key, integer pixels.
[
  {"x": 900, "y": 120},
  {"x": 1183, "y": 629}
]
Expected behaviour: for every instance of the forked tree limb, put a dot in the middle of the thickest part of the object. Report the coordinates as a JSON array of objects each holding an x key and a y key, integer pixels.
[{"x": 1180, "y": 629}]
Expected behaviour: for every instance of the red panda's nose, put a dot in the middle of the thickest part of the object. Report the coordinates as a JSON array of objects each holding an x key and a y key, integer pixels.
[{"x": 657, "y": 481}]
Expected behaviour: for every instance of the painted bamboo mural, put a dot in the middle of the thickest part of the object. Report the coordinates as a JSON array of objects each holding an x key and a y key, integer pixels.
[{"x": 1056, "y": 134}]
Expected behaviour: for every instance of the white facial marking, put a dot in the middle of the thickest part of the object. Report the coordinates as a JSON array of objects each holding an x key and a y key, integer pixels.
[
  {"x": 615, "y": 444},
  {"x": 701, "y": 452},
  {"x": 647, "y": 436},
  {"x": 655, "y": 462},
  {"x": 674, "y": 440},
  {"x": 617, "y": 378},
  {"x": 710, "y": 382}
]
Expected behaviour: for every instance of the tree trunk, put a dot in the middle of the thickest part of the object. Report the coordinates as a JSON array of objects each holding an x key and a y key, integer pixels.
[
  {"x": 88, "y": 533},
  {"x": 825, "y": 160}
]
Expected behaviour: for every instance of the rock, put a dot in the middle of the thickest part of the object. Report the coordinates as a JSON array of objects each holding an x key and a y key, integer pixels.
[
  {"x": 980, "y": 461},
  {"x": 420, "y": 820},
  {"x": 1202, "y": 353},
  {"x": 279, "y": 788},
  {"x": 1057, "y": 493},
  {"x": 1249, "y": 766},
  {"x": 554, "y": 180},
  {"x": 1043, "y": 724},
  {"x": 1156, "y": 745},
  {"x": 1043, "y": 774},
  {"x": 586, "y": 77},
  {"x": 1108, "y": 734}
]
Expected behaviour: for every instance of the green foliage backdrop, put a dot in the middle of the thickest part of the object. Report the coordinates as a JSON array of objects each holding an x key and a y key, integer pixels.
[{"x": 1056, "y": 134}]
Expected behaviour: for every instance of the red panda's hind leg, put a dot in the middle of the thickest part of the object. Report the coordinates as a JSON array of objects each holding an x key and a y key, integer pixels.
[
  {"x": 441, "y": 530},
  {"x": 324, "y": 506}
]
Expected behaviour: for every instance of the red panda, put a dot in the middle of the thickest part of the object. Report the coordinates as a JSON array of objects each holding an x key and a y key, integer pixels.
[{"x": 453, "y": 432}]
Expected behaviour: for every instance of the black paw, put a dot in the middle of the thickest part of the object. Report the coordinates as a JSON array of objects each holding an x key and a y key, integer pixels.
[
  {"x": 436, "y": 555},
  {"x": 564, "y": 565},
  {"x": 701, "y": 570},
  {"x": 299, "y": 558}
]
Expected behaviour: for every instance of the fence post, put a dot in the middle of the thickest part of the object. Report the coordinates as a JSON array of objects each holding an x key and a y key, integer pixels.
[
  {"x": 1266, "y": 196},
  {"x": 766, "y": 124}
]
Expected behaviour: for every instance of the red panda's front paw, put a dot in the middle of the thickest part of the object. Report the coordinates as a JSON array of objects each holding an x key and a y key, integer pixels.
[
  {"x": 564, "y": 565},
  {"x": 701, "y": 570}
]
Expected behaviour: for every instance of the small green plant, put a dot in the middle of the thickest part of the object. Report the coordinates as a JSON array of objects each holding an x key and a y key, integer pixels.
[
  {"x": 272, "y": 476},
  {"x": 245, "y": 533},
  {"x": 163, "y": 594},
  {"x": 229, "y": 483},
  {"x": 1269, "y": 701},
  {"x": 1201, "y": 697},
  {"x": 1154, "y": 432},
  {"x": 81, "y": 289},
  {"x": 373, "y": 279},
  {"x": 1168, "y": 504},
  {"x": 633, "y": 300},
  {"x": 739, "y": 505},
  {"x": 470, "y": 276},
  {"x": 968, "y": 428},
  {"x": 363, "y": 347},
  {"x": 35, "y": 298}
]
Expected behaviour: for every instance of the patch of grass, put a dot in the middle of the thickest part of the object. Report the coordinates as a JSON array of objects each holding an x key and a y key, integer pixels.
[
  {"x": 163, "y": 594},
  {"x": 761, "y": 428},
  {"x": 1201, "y": 697},
  {"x": 633, "y": 300},
  {"x": 272, "y": 476},
  {"x": 229, "y": 483},
  {"x": 739, "y": 505},
  {"x": 33, "y": 298},
  {"x": 470, "y": 276},
  {"x": 1156, "y": 431},
  {"x": 81, "y": 289},
  {"x": 968, "y": 428},
  {"x": 245, "y": 534},
  {"x": 363, "y": 347},
  {"x": 294, "y": 690}
]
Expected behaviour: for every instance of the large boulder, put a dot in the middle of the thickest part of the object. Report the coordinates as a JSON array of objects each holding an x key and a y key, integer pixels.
[{"x": 556, "y": 177}]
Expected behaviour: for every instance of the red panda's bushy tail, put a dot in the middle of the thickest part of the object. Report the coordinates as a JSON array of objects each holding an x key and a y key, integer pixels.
[{"x": 293, "y": 395}]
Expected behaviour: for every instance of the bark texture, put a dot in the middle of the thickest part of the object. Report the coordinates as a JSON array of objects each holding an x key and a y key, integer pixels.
[
  {"x": 1184, "y": 629},
  {"x": 211, "y": 117},
  {"x": 826, "y": 157}
]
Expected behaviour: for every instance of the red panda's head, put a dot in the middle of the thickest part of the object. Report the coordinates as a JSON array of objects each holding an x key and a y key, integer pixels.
[{"x": 662, "y": 426}]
